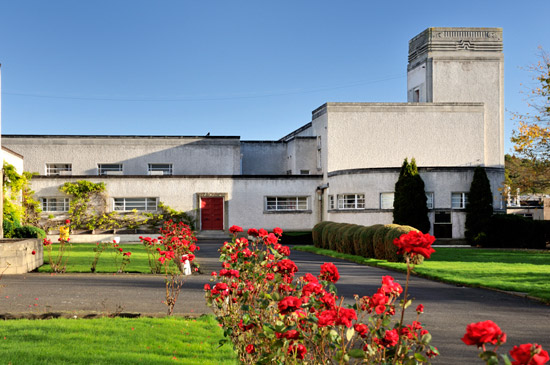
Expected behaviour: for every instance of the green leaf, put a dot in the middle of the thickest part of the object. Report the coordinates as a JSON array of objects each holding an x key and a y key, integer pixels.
[
  {"x": 426, "y": 339},
  {"x": 357, "y": 353},
  {"x": 349, "y": 333},
  {"x": 418, "y": 356},
  {"x": 408, "y": 303},
  {"x": 506, "y": 360}
]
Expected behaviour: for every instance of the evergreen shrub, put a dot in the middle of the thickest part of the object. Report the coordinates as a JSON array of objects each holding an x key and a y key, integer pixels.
[
  {"x": 29, "y": 232},
  {"x": 514, "y": 231}
]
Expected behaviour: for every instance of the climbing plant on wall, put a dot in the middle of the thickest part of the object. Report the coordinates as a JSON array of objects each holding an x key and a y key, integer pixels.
[{"x": 83, "y": 193}]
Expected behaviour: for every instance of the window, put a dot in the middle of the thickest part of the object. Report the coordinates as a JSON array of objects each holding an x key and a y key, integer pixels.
[
  {"x": 159, "y": 169},
  {"x": 55, "y": 204},
  {"x": 443, "y": 227},
  {"x": 386, "y": 200},
  {"x": 331, "y": 202},
  {"x": 275, "y": 203},
  {"x": 127, "y": 204},
  {"x": 109, "y": 169},
  {"x": 319, "y": 146},
  {"x": 58, "y": 169},
  {"x": 304, "y": 172},
  {"x": 430, "y": 200},
  {"x": 459, "y": 200},
  {"x": 416, "y": 95},
  {"x": 351, "y": 201}
]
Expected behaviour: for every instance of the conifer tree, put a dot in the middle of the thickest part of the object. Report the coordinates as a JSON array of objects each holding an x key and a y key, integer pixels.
[
  {"x": 479, "y": 207},
  {"x": 409, "y": 204}
]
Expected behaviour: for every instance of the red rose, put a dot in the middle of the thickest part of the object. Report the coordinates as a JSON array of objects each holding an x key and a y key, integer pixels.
[
  {"x": 329, "y": 272},
  {"x": 390, "y": 339},
  {"x": 291, "y": 335},
  {"x": 415, "y": 243},
  {"x": 207, "y": 287},
  {"x": 345, "y": 316},
  {"x": 235, "y": 229},
  {"x": 277, "y": 231},
  {"x": 483, "y": 332},
  {"x": 253, "y": 232},
  {"x": 529, "y": 354},
  {"x": 262, "y": 232},
  {"x": 67, "y": 221},
  {"x": 420, "y": 309},
  {"x": 299, "y": 350},
  {"x": 289, "y": 304},
  {"x": 271, "y": 239},
  {"x": 326, "y": 318},
  {"x": 250, "y": 349},
  {"x": 361, "y": 329},
  {"x": 287, "y": 267},
  {"x": 390, "y": 287},
  {"x": 33, "y": 252}
]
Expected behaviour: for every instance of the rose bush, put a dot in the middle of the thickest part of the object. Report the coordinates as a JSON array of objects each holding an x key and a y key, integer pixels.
[
  {"x": 169, "y": 253},
  {"x": 270, "y": 315},
  {"x": 58, "y": 262}
]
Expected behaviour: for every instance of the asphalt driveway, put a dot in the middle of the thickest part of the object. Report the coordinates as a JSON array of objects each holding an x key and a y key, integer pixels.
[{"x": 448, "y": 308}]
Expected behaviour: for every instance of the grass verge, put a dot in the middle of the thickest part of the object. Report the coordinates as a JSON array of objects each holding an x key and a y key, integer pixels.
[
  {"x": 82, "y": 255},
  {"x": 114, "y": 341},
  {"x": 510, "y": 270}
]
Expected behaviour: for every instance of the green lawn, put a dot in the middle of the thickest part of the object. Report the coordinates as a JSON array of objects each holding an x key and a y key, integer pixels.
[
  {"x": 82, "y": 255},
  {"x": 114, "y": 341},
  {"x": 512, "y": 270}
]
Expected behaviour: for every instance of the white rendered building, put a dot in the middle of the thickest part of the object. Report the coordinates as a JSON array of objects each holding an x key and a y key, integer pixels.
[{"x": 342, "y": 166}]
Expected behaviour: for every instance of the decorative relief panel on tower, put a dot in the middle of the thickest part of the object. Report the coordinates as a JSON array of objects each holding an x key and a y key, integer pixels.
[{"x": 455, "y": 39}]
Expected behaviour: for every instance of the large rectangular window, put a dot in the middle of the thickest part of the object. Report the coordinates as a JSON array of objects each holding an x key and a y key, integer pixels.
[
  {"x": 386, "y": 200},
  {"x": 109, "y": 169},
  {"x": 54, "y": 204},
  {"x": 58, "y": 169},
  {"x": 275, "y": 203},
  {"x": 351, "y": 201},
  {"x": 128, "y": 204},
  {"x": 459, "y": 200},
  {"x": 159, "y": 169}
]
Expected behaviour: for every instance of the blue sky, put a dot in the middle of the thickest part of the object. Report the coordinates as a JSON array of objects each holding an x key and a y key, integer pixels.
[{"x": 250, "y": 68}]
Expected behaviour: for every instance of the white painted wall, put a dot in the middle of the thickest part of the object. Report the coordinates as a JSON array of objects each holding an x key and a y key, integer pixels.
[
  {"x": 189, "y": 155},
  {"x": 383, "y": 134},
  {"x": 245, "y": 196}
]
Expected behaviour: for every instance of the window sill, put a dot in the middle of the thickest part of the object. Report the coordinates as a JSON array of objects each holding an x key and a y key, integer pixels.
[{"x": 287, "y": 211}]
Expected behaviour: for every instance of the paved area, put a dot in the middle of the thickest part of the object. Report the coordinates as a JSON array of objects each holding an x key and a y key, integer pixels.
[{"x": 448, "y": 308}]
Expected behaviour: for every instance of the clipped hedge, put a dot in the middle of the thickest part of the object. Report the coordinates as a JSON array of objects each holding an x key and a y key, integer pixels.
[
  {"x": 374, "y": 241},
  {"x": 391, "y": 249},
  {"x": 364, "y": 242},
  {"x": 348, "y": 240},
  {"x": 316, "y": 233},
  {"x": 379, "y": 242}
]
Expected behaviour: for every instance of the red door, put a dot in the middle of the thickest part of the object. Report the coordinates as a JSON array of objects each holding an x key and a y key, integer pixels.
[{"x": 212, "y": 214}]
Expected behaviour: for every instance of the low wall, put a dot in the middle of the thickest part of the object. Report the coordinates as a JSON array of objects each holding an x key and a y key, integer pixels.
[
  {"x": 94, "y": 238},
  {"x": 16, "y": 255}
]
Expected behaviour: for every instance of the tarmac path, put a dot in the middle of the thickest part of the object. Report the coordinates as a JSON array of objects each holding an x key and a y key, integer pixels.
[{"x": 448, "y": 308}]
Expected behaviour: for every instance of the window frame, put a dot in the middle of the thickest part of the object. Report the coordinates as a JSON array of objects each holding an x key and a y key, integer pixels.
[
  {"x": 45, "y": 203},
  {"x": 167, "y": 170},
  {"x": 58, "y": 168},
  {"x": 428, "y": 199},
  {"x": 382, "y": 194},
  {"x": 103, "y": 170},
  {"x": 279, "y": 206},
  {"x": 343, "y": 201},
  {"x": 463, "y": 200},
  {"x": 125, "y": 203}
]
